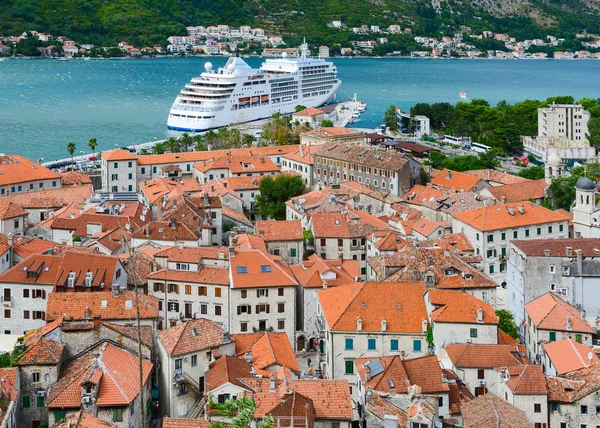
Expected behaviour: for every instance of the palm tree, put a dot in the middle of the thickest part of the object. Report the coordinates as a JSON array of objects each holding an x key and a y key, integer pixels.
[
  {"x": 93, "y": 143},
  {"x": 186, "y": 141},
  {"x": 171, "y": 143},
  {"x": 71, "y": 149},
  {"x": 158, "y": 148}
]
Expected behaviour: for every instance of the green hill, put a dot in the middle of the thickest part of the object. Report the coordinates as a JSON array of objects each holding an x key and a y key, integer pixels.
[{"x": 142, "y": 22}]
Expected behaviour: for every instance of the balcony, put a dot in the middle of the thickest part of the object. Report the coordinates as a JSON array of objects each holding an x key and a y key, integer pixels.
[{"x": 6, "y": 301}]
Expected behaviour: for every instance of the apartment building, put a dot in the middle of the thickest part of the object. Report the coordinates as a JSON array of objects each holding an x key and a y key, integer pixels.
[
  {"x": 563, "y": 120},
  {"x": 355, "y": 321},
  {"x": 262, "y": 292},
  {"x": 548, "y": 319},
  {"x": 119, "y": 171},
  {"x": 13, "y": 219},
  {"x": 301, "y": 162},
  {"x": 566, "y": 267},
  {"x": 382, "y": 171},
  {"x": 283, "y": 238},
  {"x": 565, "y": 356},
  {"x": 491, "y": 228},
  {"x": 250, "y": 165},
  {"x": 18, "y": 175}
]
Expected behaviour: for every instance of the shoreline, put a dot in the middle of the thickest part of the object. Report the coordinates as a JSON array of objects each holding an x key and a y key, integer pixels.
[{"x": 429, "y": 58}]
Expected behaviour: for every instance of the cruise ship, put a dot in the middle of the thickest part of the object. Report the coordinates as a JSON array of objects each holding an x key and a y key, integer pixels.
[{"x": 237, "y": 93}]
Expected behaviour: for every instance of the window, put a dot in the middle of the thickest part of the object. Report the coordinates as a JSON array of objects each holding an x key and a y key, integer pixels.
[
  {"x": 440, "y": 401},
  {"x": 349, "y": 367},
  {"x": 490, "y": 238},
  {"x": 539, "y": 230},
  {"x": 115, "y": 165},
  {"x": 584, "y": 410},
  {"x": 335, "y": 425},
  {"x": 262, "y": 292},
  {"x": 26, "y": 401},
  {"x": 560, "y": 227},
  {"x": 477, "y": 236},
  {"x": 218, "y": 310},
  {"x": 280, "y": 308},
  {"x": 202, "y": 290},
  {"x": 242, "y": 269},
  {"x": 552, "y": 269},
  {"x": 578, "y": 338},
  {"x": 526, "y": 233},
  {"x": 491, "y": 269},
  {"x": 349, "y": 344},
  {"x": 554, "y": 407},
  {"x": 480, "y": 374},
  {"x": 173, "y": 307},
  {"x": 39, "y": 402},
  {"x": 174, "y": 288},
  {"x": 515, "y": 234},
  {"x": 549, "y": 229},
  {"x": 7, "y": 313},
  {"x": 217, "y": 291},
  {"x": 293, "y": 252},
  {"x": 417, "y": 345},
  {"x": 371, "y": 344},
  {"x": 473, "y": 332},
  {"x": 265, "y": 269},
  {"x": 552, "y": 336},
  {"x": 537, "y": 408},
  {"x": 188, "y": 289},
  {"x": 244, "y": 294},
  {"x": 281, "y": 324},
  {"x": 194, "y": 360},
  {"x": 280, "y": 291},
  {"x": 35, "y": 377},
  {"x": 322, "y": 242},
  {"x": 243, "y": 327},
  {"x": 503, "y": 236},
  {"x": 394, "y": 345},
  {"x": 117, "y": 415},
  {"x": 26, "y": 315}
]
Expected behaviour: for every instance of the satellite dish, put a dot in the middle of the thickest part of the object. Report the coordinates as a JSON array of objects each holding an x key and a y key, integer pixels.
[
  {"x": 208, "y": 66},
  {"x": 284, "y": 55},
  {"x": 590, "y": 356}
]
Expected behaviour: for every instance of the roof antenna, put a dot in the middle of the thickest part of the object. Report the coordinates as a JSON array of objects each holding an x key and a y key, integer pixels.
[{"x": 304, "y": 48}]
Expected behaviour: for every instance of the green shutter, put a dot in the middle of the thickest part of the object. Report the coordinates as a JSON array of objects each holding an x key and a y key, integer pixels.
[
  {"x": 578, "y": 338},
  {"x": 40, "y": 401},
  {"x": 552, "y": 336},
  {"x": 26, "y": 401},
  {"x": 59, "y": 415},
  {"x": 349, "y": 367}
]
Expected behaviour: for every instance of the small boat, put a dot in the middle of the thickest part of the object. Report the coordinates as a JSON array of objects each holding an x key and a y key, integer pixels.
[
  {"x": 363, "y": 106},
  {"x": 463, "y": 95},
  {"x": 356, "y": 114},
  {"x": 63, "y": 58},
  {"x": 360, "y": 109}
]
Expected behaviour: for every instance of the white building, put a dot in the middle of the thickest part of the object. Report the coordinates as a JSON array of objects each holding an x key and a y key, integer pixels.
[
  {"x": 586, "y": 214},
  {"x": 323, "y": 52},
  {"x": 420, "y": 124},
  {"x": 563, "y": 120}
]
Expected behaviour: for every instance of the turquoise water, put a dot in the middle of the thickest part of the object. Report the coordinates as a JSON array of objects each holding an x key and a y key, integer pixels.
[{"x": 46, "y": 103}]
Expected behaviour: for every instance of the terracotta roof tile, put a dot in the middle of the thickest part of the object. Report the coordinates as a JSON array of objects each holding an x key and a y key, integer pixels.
[
  {"x": 567, "y": 355},
  {"x": 425, "y": 372},
  {"x": 312, "y": 273},
  {"x": 113, "y": 368},
  {"x": 83, "y": 420},
  {"x": 206, "y": 275},
  {"x": 27, "y": 247},
  {"x": 493, "y": 176},
  {"x": 358, "y": 154},
  {"x": 550, "y": 312},
  {"x": 305, "y": 155},
  {"x": 334, "y": 132},
  {"x": 268, "y": 349},
  {"x": 419, "y": 194},
  {"x": 558, "y": 247},
  {"x": 534, "y": 189},
  {"x": 310, "y": 111},
  {"x": 457, "y": 202},
  {"x": 52, "y": 198},
  {"x": 339, "y": 225},
  {"x": 296, "y": 406},
  {"x": 118, "y": 155},
  {"x": 239, "y": 164},
  {"x": 499, "y": 216},
  {"x": 191, "y": 336},
  {"x": 38, "y": 269},
  {"x": 185, "y": 423},
  {"x": 16, "y": 169},
  {"x": 458, "y": 181},
  {"x": 284, "y": 230},
  {"x": 8, "y": 384},
  {"x": 155, "y": 189},
  {"x": 104, "y": 304},
  {"x": 483, "y": 356},
  {"x": 403, "y": 309},
  {"x": 147, "y": 337},
  {"x": 452, "y": 242},
  {"x": 41, "y": 353},
  {"x": 459, "y": 307},
  {"x": 10, "y": 210},
  {"x": 236, "y": 215},
  {"x": 505, "y": 339},
  {"x": 459, "y": 395},
  {"x": 527, "y": 380},
  {"x": 574, "y": 385},
  {"x": 74, "y": 178},
  {"x": 489, "y": 410},
  {"x": 227, "y": 369}
]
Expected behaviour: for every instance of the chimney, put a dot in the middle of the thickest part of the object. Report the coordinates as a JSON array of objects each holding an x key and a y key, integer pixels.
[
  {"x": 87, "y": 312},
  {"x": 383, "y": 325},
  {"x": 248, "y": 356},
  {"x": 521, "y": 209},
  {"x": 390, "y": 421},
  {"x": 359, "y": 324},
  {"x": 479, "y": 315},
  {"x": 424, "y": 326},
  {"x": 402, "y": 355},
  {"x": 116, "y": 290},
  {"x": 448, "y": 174},
  {"x": 147, "y": 229},
  {"x": 415, "y": 275},
  {"x": 96, "y": 320},
  {"x": 569, "y": 324},
  {"x": 511, "y": 210},
  {"x": 579, "y": 260},
  {"x": 172, "y": 224},
  {"x": 547, "y": 253},
  {"x": 180, "y": 245},
  {"x": 206, "y": 203},
  {"x": 225, "y": 336},
  {"x": 503, "y": 199},
  {"x": 324, "y": 285},
  {"x": 231, "y": 252},
  {"x": 272, "y": 384},
  {"x": 569, "y": 252},
  {"x": 301, "y": 151}
]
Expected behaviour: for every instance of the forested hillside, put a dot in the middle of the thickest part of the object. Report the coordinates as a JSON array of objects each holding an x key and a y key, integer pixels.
[{"x": 142, "y": 22}]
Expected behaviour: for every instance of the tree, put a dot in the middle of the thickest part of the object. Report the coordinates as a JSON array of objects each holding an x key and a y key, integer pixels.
[
  {"x": 506, "y": 323},
  {"x": 300, "y": 107},
  {"x": 172, "y": 144},
  {"x": 389, "y": 118},
  {"x": 437, "y": 159},
  {"x": 593, "y": 134},
  {"x": 211, "y": 138},
  {"x": 159, "y": 148},
  {"x": 200, "y": 143},
  {"x": 274, "y": 193},
  {"x": 93, "y": 143},
  {"x": 71, "y": 149},
  {"x": 325, "y": 123},
  {"x": 240, "y": 412},
  {"x": 533, "y": 172}
]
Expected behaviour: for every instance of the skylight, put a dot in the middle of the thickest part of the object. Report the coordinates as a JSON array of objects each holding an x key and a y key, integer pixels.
[
  {"x": 265, "y": 268},
  {"x": 391, "y": 384},
  {"x": 242, "y": 269}
]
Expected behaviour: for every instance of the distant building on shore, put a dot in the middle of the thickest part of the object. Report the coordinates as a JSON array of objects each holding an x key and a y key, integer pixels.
[
  {"x": 421, "y": 124},
  {"x": 323, "y": 52}
]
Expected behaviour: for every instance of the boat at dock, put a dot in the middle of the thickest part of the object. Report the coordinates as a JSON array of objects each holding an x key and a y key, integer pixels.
[{"x": 237, "y": 93}]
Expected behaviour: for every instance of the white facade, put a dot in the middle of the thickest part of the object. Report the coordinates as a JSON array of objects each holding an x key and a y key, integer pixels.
[
  {"x": 119, "y": 175},
  {"x": 563, "y": 120},
  {"x": 535, "y": 406}
]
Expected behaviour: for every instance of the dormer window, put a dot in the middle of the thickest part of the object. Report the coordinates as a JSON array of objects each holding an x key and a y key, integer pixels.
[
  {"x": 182, "y": 266},
  {"x": 449, "y": 272},
  {"x": 103, "y": 303}
]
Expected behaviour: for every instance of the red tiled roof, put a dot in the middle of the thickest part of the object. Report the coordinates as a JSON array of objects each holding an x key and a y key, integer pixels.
[
  {"x": 310, "y": 111},
  {"x": 185, "y": 423},
  {"x": 46, "y": 266},
  {"x": 191, "y": 336},
  {"x": 238, "y": 164},
  {"x": 41, "y": 353},
  {"x": 10, "y": 210},
  {"x": 16, "y": 169},
  {"x": 206, "y": 275},
  {"x": 491, "y": 175},
  {"x": 558, "y": 247},
  {"x": 489, "y": 410},
  {"x": 458, "y": 181},
  {"x": 338, "y": 225},
  {"x": 527, "y": 380},
  {"x": 403, "y": 308},
  {"x": 424, "y": 372},
  {"x": 419, "y": 194},
  {"x": 27, "y": 247},
  {"x": 533, "y": 189},
  {"x": 550, "y": 312},
  {"x": 105, "y": 304},
  {"x": 155, "y": 189},
  {"x": 72, "y": 178},
  {"x": 304, "y": 155},
  {"x": 84, "y": 420},
  {"x": 113, "y": 369},
  {"x": 103, "y": 269},
  {"x": 146, "y": 335},
  {"x": 312, "y": 273},
  {"x": 9, "y": 390},
  {"x": 459, "y": 395},
  {"x": 459, "y": 307},
  {"x": 574, "y": 385},
  {"x": 567, "y": 355},
  {"x": 118, "y": 155},
  {"x": 227, "y": 369},
  {"x": 267, "y": 349},
  {"x": 51, "y": 198},
  {"x": 284, "y": 230},
  {"x": 483, "y": 356},
  {"x": 334, "y": 132},
  {"x": 499, "y": 216},
  {"x": 191, "y": 254},
  {"x": 236, "y": 215}
]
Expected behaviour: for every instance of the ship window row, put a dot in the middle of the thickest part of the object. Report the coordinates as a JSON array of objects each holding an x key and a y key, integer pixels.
[
  {"x": 192, "y": 117},
  {"x": 198, "y": 109},
  {"x": 256, "y": 82}
]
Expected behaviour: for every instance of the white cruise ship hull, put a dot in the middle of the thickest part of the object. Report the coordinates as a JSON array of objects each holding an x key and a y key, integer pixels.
[{"x": 237, "y": 94}]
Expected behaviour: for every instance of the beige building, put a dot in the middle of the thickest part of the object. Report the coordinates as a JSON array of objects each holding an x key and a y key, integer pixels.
[
  {"x": 119, "y": 171},
  {"x": 563, "y": 120}
]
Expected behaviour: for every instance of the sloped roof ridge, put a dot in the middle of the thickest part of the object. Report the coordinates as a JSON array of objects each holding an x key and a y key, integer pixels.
[
  {"x": 361, "y": 285},
  {"x": 583, "y": 363}
]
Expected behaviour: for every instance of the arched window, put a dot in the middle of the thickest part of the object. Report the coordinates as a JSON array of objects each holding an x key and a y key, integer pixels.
[
  {"x": 550, "y": 171},
  {"x": 587, "y": 199},
  {"x": 582, "y": 199}
]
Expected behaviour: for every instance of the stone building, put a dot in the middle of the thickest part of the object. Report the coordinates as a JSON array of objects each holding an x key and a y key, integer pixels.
[{"x": 283, "y": 238}]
